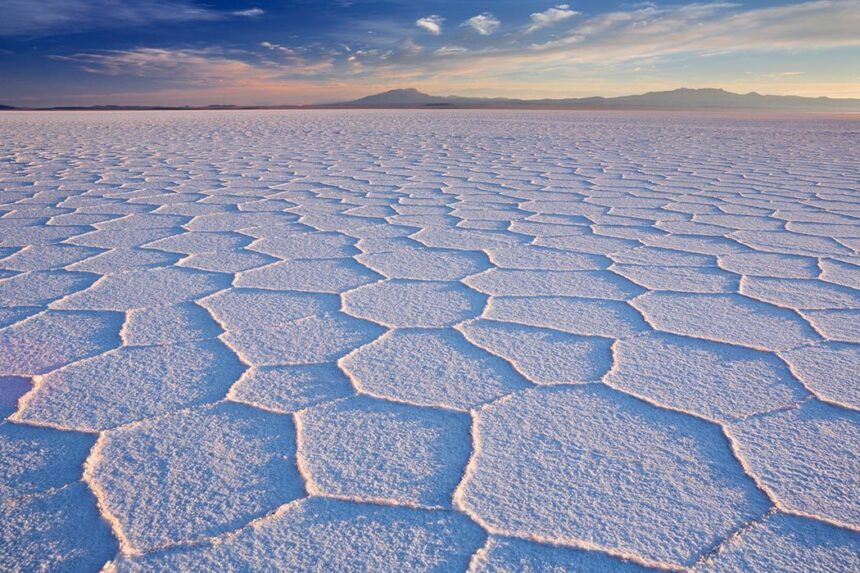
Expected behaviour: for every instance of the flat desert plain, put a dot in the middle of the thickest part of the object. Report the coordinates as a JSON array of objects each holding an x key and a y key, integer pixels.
[{"x": 429, "y": 341}]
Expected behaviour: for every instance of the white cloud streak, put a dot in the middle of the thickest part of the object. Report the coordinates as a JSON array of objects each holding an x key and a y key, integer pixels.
[
  {"x": 432, "y": 24},
  {"x": 181, "y": 66},
  {"x": 195, "y": 67},
  {"x": 278, "y": 48},
  {"x": 44, "y": 17},
  {"x": 450, "y": 51},
  {"x": 249, "y": 13},
  {"x": 550, "y": 17},
  {"x": 484, "y": 24}
]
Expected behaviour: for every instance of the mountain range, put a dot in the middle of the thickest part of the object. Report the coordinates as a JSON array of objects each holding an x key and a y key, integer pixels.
[
  {"x": 679, "y": 99},
  {"x": 683, "y": 98}
]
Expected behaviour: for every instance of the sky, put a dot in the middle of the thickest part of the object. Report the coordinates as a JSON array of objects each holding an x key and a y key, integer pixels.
[{"x": 256, "y": 52}]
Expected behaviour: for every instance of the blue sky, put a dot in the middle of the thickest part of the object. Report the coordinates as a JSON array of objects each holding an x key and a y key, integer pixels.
[{"x": 177, "y": 52}]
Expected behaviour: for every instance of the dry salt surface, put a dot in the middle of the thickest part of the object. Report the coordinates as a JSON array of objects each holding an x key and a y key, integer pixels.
[{"x": 429, "y": 341}]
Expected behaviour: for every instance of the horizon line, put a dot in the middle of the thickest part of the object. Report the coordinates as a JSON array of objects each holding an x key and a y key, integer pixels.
[{"x": 607, "y": 103}]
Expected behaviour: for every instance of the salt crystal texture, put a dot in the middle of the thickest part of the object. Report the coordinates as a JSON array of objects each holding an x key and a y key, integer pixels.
[{"x": 429, "y": 341}]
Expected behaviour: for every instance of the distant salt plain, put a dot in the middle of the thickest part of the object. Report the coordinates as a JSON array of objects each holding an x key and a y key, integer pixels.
[{"x": 429, "y": 341}]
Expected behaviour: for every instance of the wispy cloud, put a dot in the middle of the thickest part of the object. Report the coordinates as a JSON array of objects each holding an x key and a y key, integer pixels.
[
  {"x": 705, "y": 29},
  {"x": 178, "y": 65},
  {"x": 299, "y": 60},
  {"x": 407, "y": 46},
  {"x": 450, "y": 50},
  {"x": 249, "y": 13},
  {"x": 199, "y": 67},
  {"x": 32, "y": 17},
  {"x": 549, "y": 17},
  {"x": 278, "y": 48},
  {"x": 484, "y": 24},
  {"x": 432, "y": 24},
  {"x": 776, "y": 75}
]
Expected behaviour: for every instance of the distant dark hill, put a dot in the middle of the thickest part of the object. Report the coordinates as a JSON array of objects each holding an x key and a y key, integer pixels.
[
  {"x": 683, "y": 98},
  {"x": 722, "y": 99},
  {"x": 402, "y": 97}
]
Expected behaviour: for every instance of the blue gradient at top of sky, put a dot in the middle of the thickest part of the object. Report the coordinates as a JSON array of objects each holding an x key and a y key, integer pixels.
[{"x": 178, "y": 52}]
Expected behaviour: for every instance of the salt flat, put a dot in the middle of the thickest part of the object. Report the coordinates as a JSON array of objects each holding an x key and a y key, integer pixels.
[{"x": 429, "y": 341}]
